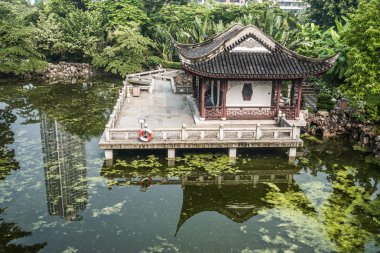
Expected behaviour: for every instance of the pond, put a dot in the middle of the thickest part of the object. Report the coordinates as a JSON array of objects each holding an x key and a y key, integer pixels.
[{"x": 56, "y": 195}]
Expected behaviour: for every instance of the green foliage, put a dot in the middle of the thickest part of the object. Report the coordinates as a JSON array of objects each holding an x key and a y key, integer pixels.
[
  {"x": 322, "y": 86},
  {"x": 127, "y": 53},
  {"x": 363, "y": 72},
  {"x": 324, "y": 102},
  {"x": 7, "y": 155},
  {"x": 172, "y": 65},
  {"x": 18, "y": 54},
  {"x": 360, "y": 148},
  {"x": 310, "y": 40},
  {"x": 325, "y": 12},
  {"x": 10, "y": 232},
  {"x": 118, "y": 13},
  {"x": 345, "y": 210},
  {"x": 77, "y": 35},
  {"x": 291, "y": 199}
]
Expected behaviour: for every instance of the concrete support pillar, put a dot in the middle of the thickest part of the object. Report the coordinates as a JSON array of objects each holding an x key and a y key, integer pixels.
[
  {"x": 255, "y": 180},
  {"x": 109, "y": 157},
  {"x": 171, "y": 154},
  {"x": 232, "y": 152},
  {"x": 219, "y": 180},
  {"x": 183, "y": 181},
  {"x": 290, "y": 179},
  {"x": 292, "y": 153}
]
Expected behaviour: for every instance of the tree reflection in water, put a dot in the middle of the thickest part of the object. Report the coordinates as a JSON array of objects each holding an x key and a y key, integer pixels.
[{"x": 346, "y": 222}]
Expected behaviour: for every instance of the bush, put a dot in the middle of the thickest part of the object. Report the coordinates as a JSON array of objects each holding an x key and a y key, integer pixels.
[
  {"x": 172, "y": 65},
  {"x": 324, "y": 102}
]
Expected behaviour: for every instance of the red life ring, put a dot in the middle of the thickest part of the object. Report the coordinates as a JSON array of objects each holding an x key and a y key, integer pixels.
[
  {"x": 146, "y": 182},
  {"x": 145, "y": 135}
]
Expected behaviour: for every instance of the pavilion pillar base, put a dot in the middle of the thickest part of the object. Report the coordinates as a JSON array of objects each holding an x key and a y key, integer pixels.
[
  {"x": 171, "y": 157},
  {"x": 171, "y": 154},
  {"x": 232, "y": 155},
  {"x": 109, "y": 157},
  {"x": 292, "y": 154},
  {"x": 232, "y": 152}
]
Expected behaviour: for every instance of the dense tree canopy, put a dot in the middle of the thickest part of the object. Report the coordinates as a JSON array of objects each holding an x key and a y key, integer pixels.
[
  {"x": 129, "y": 35},
  {"x": 18, "y": 52},
  {"x": 325, "y": 12},
  {"x": 363, "y": 41}
]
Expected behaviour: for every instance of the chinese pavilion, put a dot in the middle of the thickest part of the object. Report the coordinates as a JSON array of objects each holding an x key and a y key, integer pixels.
[{"x": 243, "y": 74}]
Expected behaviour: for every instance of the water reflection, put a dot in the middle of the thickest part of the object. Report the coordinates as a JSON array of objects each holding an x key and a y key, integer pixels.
[
  {"x": 7, "y": 155},
  {"x": 237, "y": 192},
  {"x": 238, "y": 196},
  {"x": 65, "y": 170},
  {"x": 13, "y": 232}
]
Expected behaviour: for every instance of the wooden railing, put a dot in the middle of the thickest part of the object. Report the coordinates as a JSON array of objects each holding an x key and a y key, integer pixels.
[
  {"x": 207, "y": 134},
  {"x": 250, "y": 113},
  {"x": 289, "y": 111}
]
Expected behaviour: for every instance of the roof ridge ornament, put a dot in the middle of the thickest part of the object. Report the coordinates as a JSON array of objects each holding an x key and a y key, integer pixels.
[{"x": 254, "y": 32}]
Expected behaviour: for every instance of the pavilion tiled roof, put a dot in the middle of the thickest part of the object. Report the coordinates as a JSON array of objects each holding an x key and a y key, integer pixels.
[{"x": 215, "y": 57}]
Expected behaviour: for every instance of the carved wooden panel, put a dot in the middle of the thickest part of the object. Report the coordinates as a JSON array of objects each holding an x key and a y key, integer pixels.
[
  {"x": 214, "y": 112},
  {"x": 289, "y": 111},
  {"x": 254, "y": 113}
]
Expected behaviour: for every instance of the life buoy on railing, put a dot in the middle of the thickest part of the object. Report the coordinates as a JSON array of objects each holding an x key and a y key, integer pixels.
[
  {"x": 145, "y": 135},
  {"x": 145, "y": 183}
]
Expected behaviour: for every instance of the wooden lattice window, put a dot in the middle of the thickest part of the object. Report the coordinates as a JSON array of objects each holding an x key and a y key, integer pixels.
[{"x": 247, "y": 92}]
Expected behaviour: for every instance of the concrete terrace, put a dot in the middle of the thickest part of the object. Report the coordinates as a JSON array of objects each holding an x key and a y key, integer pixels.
[
  {"x": 161, "y": 109},
  {"x": 175, "y": 122}
]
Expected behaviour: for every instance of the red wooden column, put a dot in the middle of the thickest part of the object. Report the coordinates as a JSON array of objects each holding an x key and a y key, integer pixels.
[
  {"x": 292, "y": 93},
  {"x": 199, "y": 91},
  {"x": 194, "y": 85},
  {"x": 202, "y": 109},
  {"x": 299, "y": 92},
  {"x": 273, "y": 91},
  {"x": 224, "y": 84},
  {"x": 279, "y": 89}
]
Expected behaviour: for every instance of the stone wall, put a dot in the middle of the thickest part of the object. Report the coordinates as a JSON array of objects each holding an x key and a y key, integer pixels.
[
  {"x": 339, "y": 122},
  {"x": 67, "y": 71}
]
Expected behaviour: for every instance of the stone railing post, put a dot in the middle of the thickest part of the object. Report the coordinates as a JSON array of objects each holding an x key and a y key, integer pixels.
[
  {"x": 107, "y": 134},
  {"x": 221, "y": 132},
  {"x": 295, "y": 132},
  {"x": 183, "y": 132},
  {"x": 279, "y": 115},
  {"x": 258, "y": 131}
]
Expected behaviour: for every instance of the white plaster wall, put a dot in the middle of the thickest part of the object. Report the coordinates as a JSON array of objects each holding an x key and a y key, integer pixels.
[{"x": 262, "y": 91}]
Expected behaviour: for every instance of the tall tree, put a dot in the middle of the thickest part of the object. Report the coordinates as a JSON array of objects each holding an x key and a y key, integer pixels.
[
  {"x": 18, "y": 54},
  {"x": 325, "y": 12},
  {"x": 363, "y": 40},
  {"x": 127, "y": 52}
]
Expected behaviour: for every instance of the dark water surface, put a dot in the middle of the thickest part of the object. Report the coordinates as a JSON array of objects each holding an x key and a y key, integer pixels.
[{"x": 57, "y": 196}]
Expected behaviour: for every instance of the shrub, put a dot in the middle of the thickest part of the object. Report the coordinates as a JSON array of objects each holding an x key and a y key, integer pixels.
[
  {"x": 324, "y": 102},
  {"x": 172, "y": 65}
]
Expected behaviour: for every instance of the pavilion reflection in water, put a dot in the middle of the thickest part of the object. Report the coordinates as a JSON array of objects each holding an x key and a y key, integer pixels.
[
  {"x": 65, "y": 170},
  {"x": 237, "y": 196}
]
